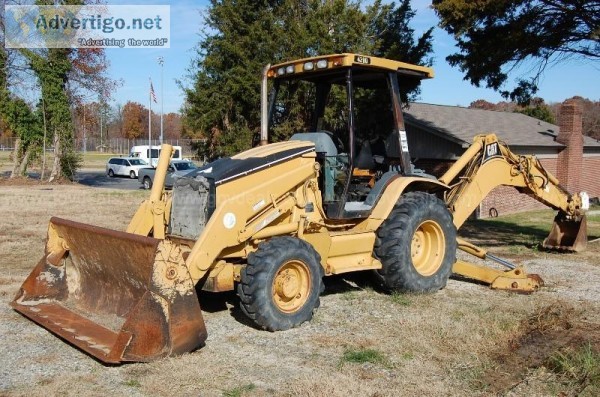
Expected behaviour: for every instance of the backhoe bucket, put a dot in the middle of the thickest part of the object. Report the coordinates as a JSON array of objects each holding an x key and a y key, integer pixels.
[
  {"x": 567, "y": 235},
  {"x": 117, "y": 296}
]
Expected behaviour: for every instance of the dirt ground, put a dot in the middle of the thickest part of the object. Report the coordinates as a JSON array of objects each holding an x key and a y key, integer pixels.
[{"x": 464, "y": 340}]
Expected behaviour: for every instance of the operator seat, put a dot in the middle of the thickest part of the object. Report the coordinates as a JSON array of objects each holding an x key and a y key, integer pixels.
[
  {"x": 364, "y": 160},
  {"x": 327, "y": 153},
  {"x": 322, "y": 140}
]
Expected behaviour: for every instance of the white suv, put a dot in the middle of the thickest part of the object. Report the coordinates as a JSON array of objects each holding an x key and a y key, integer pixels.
[{"x": 127, "y": 166}]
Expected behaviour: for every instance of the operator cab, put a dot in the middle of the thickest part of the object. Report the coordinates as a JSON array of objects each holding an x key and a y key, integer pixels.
[{"x": 350, "y": 107}]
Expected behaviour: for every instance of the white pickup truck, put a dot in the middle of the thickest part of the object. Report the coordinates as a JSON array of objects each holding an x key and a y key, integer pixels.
[{"x": 176, "y": 169}]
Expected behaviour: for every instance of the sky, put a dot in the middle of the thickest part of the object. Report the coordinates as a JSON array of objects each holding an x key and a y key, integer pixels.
[{"x": 134, "y": 67}]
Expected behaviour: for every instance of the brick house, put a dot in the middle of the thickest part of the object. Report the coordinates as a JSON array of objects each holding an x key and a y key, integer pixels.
[{"x": 438, "y": 135}]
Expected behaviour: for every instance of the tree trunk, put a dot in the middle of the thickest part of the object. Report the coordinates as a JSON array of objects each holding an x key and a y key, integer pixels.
[
  {"x": 25, "y": 161},
  {"x": 56, "y": 172},
  {"x": 43, "y": 174},
  {"x": 16, "y": 158}
]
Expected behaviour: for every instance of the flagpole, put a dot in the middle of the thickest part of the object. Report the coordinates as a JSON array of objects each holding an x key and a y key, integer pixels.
[
  {"x": 150, "y": 123},
  {"x": 161, "y": 62}
]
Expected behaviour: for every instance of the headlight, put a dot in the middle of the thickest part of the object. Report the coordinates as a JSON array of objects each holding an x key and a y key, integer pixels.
[
  {"x": 289, "y": 69},
  {"x": 309, "y": 66},
  {"x": 281, "y": 71},
  {"x": 322, "y": 64}
]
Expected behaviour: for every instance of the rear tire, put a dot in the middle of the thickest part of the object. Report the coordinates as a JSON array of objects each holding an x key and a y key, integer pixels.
[
  {"x": 281, "y": 284},
  {"x": 147, "y": 183},
  {"x": 111, "y": 173},
  {"x": 416, "y": 245},
  {"x": 132, "y": 175}
]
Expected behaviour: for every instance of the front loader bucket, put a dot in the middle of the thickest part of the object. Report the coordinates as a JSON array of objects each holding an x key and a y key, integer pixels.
[
  {"x": 567, "y": 235},
  {"x": 117, "y": 296}
]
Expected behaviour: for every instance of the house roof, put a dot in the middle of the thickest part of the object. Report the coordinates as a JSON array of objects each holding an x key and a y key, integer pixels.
[{"x": 461, "y": 124}]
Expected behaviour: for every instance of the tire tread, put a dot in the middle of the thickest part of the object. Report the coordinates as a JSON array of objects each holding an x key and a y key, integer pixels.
[
  {"x": 392, "y": 245},
  {"x": 254, "y": 286}
]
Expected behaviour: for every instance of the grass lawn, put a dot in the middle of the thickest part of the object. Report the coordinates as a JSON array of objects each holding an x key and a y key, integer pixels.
[
  {"x": 91, "y": 160},
  {"x": 97, "y": 159}
]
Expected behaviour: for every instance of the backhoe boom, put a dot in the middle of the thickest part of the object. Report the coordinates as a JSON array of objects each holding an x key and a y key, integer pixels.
[{"x": 489, "y": 163}]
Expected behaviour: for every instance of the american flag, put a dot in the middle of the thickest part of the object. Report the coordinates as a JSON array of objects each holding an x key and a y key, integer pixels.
[{"x": 152, "y": 94}]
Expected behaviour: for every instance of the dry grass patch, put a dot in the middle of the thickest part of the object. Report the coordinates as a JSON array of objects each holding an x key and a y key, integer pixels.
[
  {"x": 401, "y": 299},
  {"x": 554, "y": 338},
  {"x": 27, "y": 209}
]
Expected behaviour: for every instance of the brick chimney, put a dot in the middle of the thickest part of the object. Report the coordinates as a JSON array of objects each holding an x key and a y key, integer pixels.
[{"x": 570, "y": 159}]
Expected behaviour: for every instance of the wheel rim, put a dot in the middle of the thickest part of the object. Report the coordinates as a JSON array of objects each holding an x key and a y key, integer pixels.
[
  {"x": 428, "y": 248},
  {"x": 146, "y": 183},
  {"x": 291, "y": 286}
]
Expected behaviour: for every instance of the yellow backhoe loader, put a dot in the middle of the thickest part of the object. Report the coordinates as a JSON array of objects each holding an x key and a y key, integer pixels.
[{"x": 341, "y": 196}]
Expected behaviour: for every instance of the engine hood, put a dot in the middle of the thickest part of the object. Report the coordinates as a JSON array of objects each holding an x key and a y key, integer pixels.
[{"x": 253, "y": 160}]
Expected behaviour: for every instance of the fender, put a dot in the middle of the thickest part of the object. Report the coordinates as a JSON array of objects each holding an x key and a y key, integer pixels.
[{"x": 391, "y": 194}]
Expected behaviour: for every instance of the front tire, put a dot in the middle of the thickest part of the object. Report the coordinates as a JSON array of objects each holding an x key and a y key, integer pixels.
[
  {"x": 147, "y": 183},
  {"x": 111, "y": 173},
  {"x": 281, "y": 284},
  {"x": 416, "y": 245}
]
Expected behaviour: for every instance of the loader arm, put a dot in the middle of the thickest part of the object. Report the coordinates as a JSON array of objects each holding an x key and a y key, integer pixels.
[{"x": 152, "y": 216}]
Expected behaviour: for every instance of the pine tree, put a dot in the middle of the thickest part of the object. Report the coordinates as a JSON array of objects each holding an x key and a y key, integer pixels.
[{"x": 242, "y": 36}]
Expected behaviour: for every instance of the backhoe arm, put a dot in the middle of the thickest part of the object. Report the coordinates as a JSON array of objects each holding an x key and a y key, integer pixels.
[{"x": 489, "y": 163}]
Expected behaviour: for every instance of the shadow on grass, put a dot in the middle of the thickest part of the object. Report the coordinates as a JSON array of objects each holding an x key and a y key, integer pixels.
[
  {"x": 355, "y": 281},
  {"x": 494, "y": 233},
  {"x": 213, "y": 302},
  {"x": 500, "y": 233}
]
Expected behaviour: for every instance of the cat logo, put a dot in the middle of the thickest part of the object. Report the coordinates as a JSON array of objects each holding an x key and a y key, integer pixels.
[{"x": 491, "y": 151}]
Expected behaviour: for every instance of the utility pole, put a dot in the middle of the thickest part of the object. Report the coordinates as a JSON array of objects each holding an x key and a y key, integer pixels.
[
  {"x": 84, "y": 136},
  {"x": 150, "y": 96},
  {"x": 101, "y": 145},
  {"x": 161, "y": 62}
]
